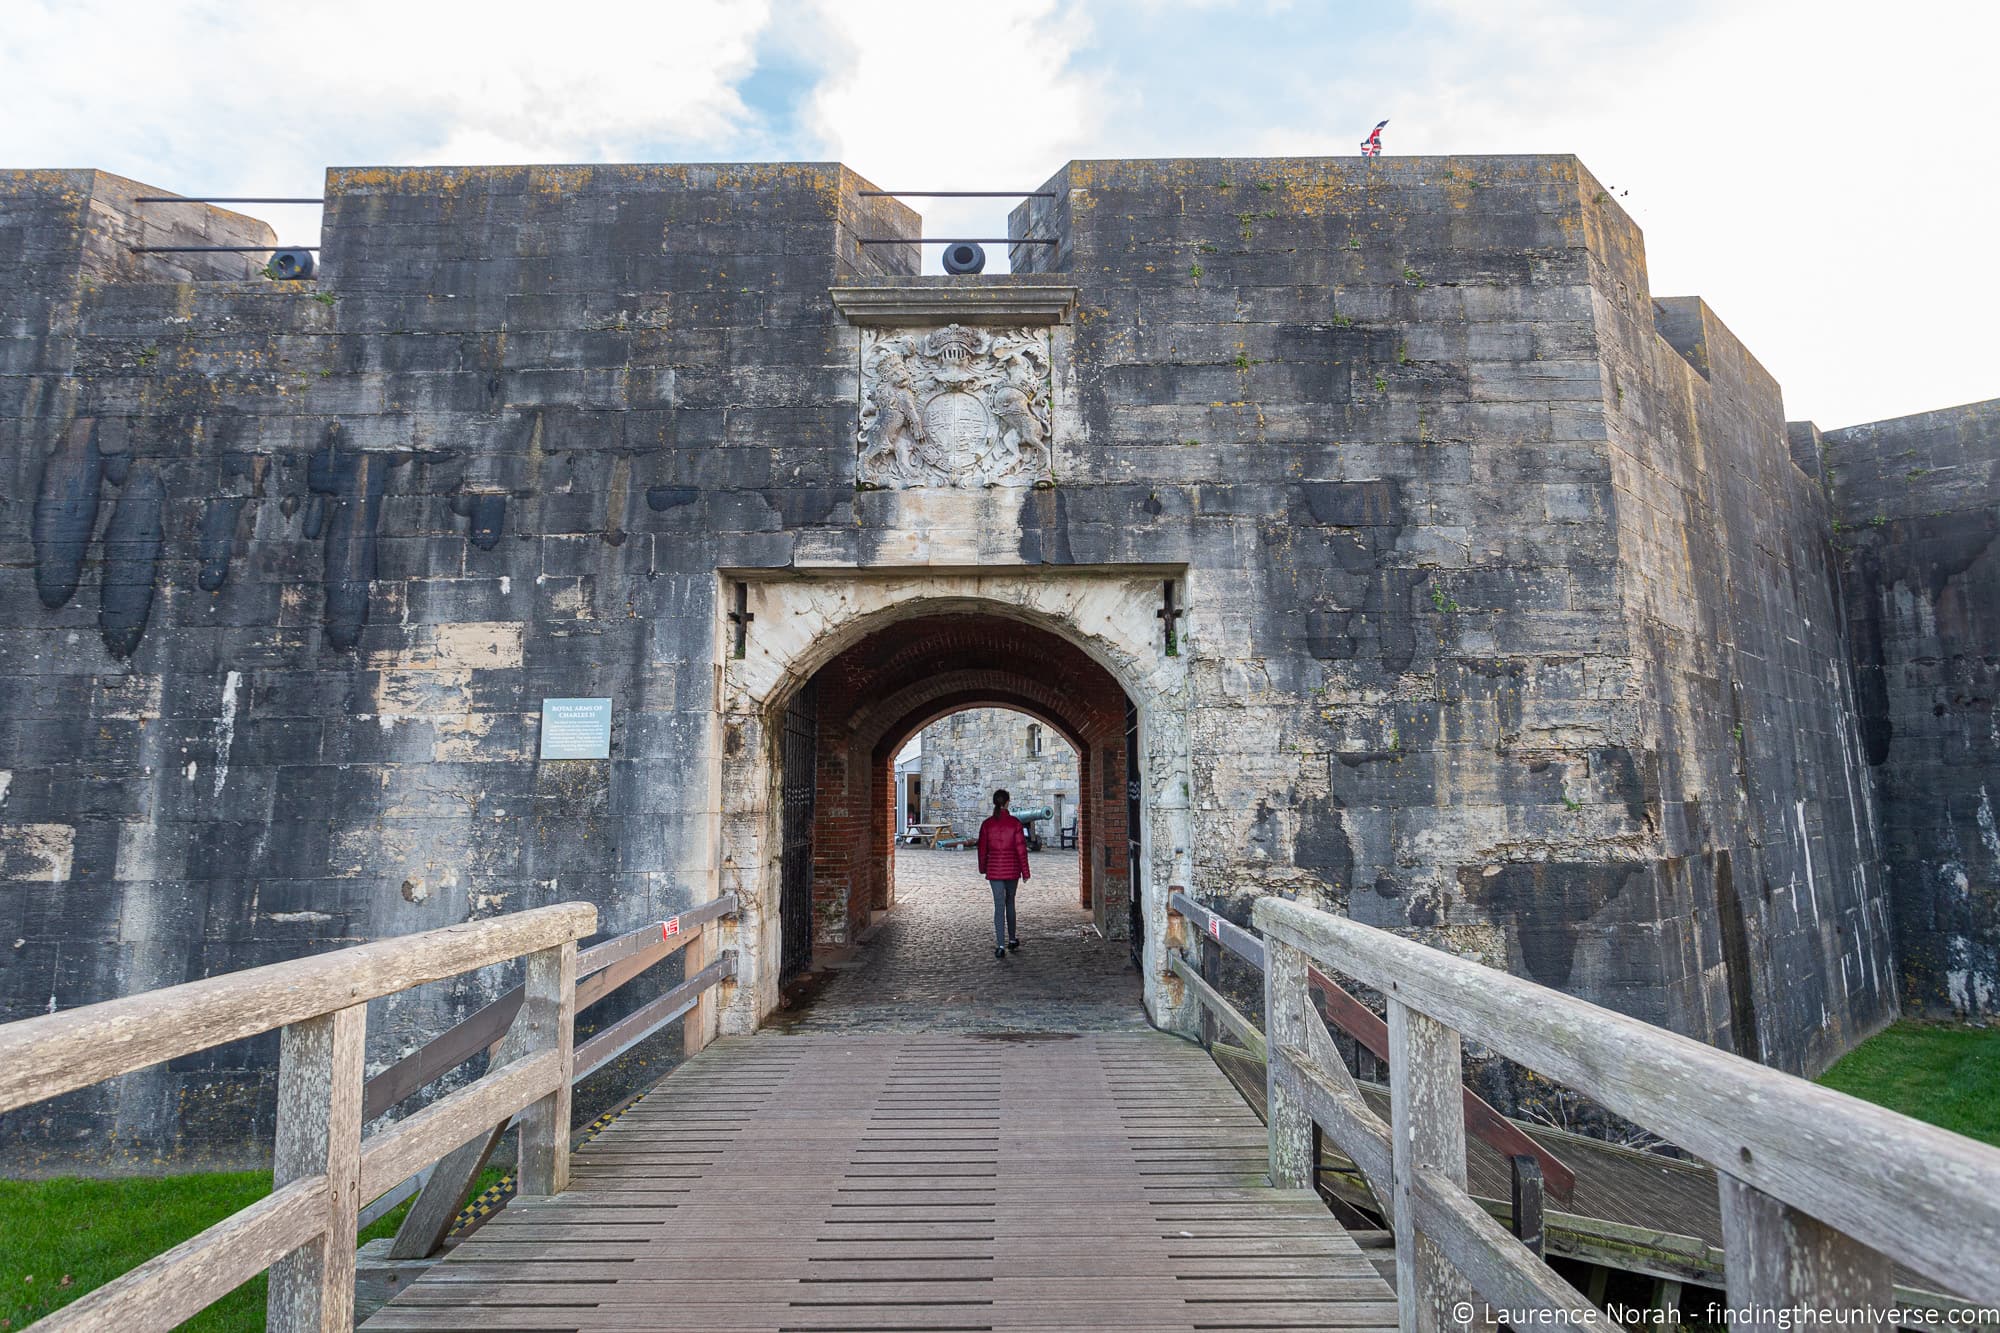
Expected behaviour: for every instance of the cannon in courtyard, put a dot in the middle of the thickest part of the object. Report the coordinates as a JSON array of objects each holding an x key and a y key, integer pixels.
[{"x": 1031, "y": 820}]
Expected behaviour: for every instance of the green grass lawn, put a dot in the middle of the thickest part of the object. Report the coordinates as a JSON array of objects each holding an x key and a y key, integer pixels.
[
  {"x": 60, "y": 1238},
  {"x": 1945, "y": 1073}
]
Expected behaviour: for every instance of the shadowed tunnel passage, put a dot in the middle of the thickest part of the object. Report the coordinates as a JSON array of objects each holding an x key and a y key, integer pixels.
[{"x": 867, "y": 702}]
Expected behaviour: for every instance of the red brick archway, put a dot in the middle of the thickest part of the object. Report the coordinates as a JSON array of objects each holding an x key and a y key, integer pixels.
[{"x": 883, "y": 689}]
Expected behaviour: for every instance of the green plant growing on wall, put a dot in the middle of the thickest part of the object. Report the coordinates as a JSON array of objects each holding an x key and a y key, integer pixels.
[
  {"x": 148, "y": 355},
  {"x": 1341, "y": 321},
  {"x": 1414, "y": 278},
  {"x": 324, "y": 298},
  {"x": 1354, "y": 242},
  {"x": 1381, "y": 384},
  {"x": 1402, "y": 355},
  {"x": 1878, "y": 520},
  {"x": 1195, "y": 272},
  {"x": 1204, "y": 249},
  {"x": 1243, "y": 361}
]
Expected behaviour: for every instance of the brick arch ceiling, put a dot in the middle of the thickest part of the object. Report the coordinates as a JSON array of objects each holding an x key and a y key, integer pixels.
[
  {"x": 887, "y": 679},
  {"x": 888, "y": 724}
]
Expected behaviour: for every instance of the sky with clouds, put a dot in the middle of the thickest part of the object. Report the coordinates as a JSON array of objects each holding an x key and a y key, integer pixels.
[{"x": 1823, "y": 173}]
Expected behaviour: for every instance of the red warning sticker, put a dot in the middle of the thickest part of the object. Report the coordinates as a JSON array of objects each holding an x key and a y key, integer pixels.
[
  {"x": 670, "y": 927},
  {"x": 1215, "y": 926}
]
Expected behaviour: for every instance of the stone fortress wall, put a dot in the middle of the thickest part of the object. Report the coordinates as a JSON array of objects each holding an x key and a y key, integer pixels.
[
  {"x": 1915, "y": 520},
  {"x": 1516, "y": 617}
]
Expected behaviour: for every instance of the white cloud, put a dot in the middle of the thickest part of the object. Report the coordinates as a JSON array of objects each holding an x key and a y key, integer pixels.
[
  {"x": 241, "y": 99},
  {"x": 932, "y": 97},
  {"x": 1821, "y": 173}
]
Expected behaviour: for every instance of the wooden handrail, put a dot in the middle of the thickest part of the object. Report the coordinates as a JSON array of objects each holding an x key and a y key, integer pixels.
[
  {"x": 649, "y": 1018},
  {"x": 1819, "y": 1190},
  {"x": 1482, "y": 1120},
  {"x": 600, "y": 969},
  {"x": 61, "y": 1052},
  {"x": 1220, "y": 929},
  {"x": 1361, "y": 1023},
  {"x": 303, "y": 1231}
]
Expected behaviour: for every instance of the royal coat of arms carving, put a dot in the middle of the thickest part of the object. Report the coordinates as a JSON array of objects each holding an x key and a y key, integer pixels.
[{"x": 954, "y": 406}]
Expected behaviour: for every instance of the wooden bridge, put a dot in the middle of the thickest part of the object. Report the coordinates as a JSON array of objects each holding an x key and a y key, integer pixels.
[
  {"x": 917, "y": 1182},
  {"x": 1030, "y": 1180}
]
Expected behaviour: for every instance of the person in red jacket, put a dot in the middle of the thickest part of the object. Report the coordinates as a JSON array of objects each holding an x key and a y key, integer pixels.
[{"x": 1003, "y": 860}]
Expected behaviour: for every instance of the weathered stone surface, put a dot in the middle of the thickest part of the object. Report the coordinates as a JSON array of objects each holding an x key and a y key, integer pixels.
[
  {"x": 1914, "y": 501},
  {"x": 1508, "y": 617}
]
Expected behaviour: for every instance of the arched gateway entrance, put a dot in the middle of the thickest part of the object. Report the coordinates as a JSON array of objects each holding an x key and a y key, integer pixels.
[{"x": 836, "y": 673}]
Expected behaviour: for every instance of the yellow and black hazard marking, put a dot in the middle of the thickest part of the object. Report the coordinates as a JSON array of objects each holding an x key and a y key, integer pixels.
[{"x": 494, "y": 1197}]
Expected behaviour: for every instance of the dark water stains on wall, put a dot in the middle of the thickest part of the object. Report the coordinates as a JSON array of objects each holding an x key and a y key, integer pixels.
[
  {"x": 1916, "y": 499},
  {"x": 349, "y": 485},
  {"x": 1321, "y": 844},
  {"x": 132, "y": 543},
  {"x": 1548, "y": 903},
  {"x": 1045, "y": 527},
  {"x": 486, "y": 512},
  {"x": 218, "y": 540},
  {"x": 66, "y": 513},
  {"x": 659, "y": 499}
]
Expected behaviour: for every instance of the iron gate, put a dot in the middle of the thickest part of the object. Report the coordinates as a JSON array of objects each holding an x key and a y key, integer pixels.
[{"x": 798, "y": 772}]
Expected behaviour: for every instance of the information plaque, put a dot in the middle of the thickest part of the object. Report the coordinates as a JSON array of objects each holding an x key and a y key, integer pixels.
[{"x": 576, "y": 728}]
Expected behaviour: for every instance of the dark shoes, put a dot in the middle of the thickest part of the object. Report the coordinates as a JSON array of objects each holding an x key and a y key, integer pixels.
[
  {"x": 999, "y": 953},
  {"x": 1013, "y": 944}
]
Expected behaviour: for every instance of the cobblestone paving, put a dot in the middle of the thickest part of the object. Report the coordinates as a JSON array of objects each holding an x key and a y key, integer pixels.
[{"x": 930, "y": 967}]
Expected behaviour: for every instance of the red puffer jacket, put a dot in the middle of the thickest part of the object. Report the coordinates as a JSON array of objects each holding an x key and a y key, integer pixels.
[{"x": 1003, "y": 848}]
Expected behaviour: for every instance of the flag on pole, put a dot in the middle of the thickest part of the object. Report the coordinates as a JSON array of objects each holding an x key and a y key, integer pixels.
[{"x": 1372, "y": 145}]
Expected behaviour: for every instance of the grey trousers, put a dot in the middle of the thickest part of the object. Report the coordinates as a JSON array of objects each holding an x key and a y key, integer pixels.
[{"x": 1003, "y": 911}]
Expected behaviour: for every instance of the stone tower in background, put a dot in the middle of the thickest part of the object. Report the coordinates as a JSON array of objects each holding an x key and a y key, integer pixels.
[{"x": 968, "y": 755}]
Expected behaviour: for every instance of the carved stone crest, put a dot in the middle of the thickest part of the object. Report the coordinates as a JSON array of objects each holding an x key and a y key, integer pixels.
[{"x": 954, "y": 406}]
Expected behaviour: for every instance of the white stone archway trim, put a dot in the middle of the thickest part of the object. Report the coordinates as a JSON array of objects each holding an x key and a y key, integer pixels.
[{"x": 802, "y": 620}]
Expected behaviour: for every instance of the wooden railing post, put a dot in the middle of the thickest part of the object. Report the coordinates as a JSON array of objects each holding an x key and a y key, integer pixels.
[
  {"x": 1211, "y": 972},
  {"x": 1528, "y": 1214},
  {"x": 1779, "y": 1259},
  {"x": 1427, "y": 1133},
  {"x": 320, "y": 1068},
  {"x": 1290, "y": 1125},
  {"x": 548, "y": 1008},
  {"x": 700, "y": 1021}
]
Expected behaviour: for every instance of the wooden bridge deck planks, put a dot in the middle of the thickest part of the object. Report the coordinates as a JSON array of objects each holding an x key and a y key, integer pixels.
[{"x": 920, "y": 1181}]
